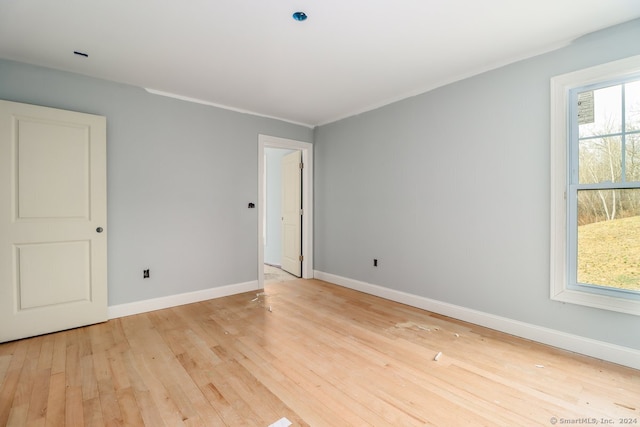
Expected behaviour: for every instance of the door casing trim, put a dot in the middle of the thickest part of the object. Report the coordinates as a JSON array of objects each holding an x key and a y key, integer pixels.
[{"x": 267, "y": 141}]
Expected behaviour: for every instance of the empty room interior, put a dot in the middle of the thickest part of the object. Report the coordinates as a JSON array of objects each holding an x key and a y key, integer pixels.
[{"x": 354, "y": 213}]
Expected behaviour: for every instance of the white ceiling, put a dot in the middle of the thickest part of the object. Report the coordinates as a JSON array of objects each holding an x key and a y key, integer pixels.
[{"x": 349, "y": 56}]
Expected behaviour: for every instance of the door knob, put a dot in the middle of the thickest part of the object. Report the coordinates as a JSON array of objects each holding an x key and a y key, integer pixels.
[{"x": 99, "y": 229}]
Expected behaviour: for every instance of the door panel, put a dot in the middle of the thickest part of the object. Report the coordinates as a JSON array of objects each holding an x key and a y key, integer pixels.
[
  {"x": 52, "y": 273},
  {"x": 53, "y": 187},
  {"x": 291, "y": 218},
  {"x": 52, "y": 177}
]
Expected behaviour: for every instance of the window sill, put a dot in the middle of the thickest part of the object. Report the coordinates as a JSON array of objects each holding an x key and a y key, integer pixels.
[{"x": 622, "y": 305}]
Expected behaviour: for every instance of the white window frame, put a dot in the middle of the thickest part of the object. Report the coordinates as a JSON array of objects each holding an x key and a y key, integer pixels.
[{"x": 560, "y": 123}]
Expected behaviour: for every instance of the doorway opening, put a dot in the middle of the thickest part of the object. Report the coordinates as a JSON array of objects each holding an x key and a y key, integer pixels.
[
  {"x": 283, "y": 204},
  {"x": 270, "y": 150}
]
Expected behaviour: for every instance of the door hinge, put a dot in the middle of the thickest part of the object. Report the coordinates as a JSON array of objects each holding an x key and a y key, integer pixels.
[
  {"x": 301, "y": 165},
  {"x": 301, "y": 258},
  {"x": 301, "y": 212}
]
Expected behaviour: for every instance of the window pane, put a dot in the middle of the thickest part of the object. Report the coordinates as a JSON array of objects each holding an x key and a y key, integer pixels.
[
  {"x": 632, "y": 153},
  {"x": 599, "y": 160},
  {"x": 607, "y": 110},
  {"x": 632, "y": 105},
  {"x": 609, "y": 238}
]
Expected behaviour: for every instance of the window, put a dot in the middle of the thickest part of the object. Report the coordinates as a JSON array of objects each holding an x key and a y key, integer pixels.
[{"x": 595, "y": 186}]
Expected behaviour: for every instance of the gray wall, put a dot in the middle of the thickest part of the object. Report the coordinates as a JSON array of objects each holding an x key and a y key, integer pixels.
[
  {"x": 180, "y": 176},
  {"x": 450, "y": 191},
  {"x": 273, "y": 211}
]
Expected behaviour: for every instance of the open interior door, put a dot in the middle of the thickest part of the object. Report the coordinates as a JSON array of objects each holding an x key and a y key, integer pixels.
[
  {"x": 292, "y": 213},
  {"x": 53, "y": 242}
]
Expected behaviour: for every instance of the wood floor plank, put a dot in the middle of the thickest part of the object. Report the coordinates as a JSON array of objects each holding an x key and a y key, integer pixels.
[
  {"x": 166, "y": 408},
  {"x": 146, "y": 405},
  {"x": 131, "y": 415},
  {"x": 117, "y": 370},
  {"x": 74, "y": 408},
  {"x": 316, "y": 411},
  {"x": 59, "y": 353},
  {"x": 18, "y": 415},
  {"x": 5, "y": 362},
  {"x": 315, "y": 353},
  {"x": 89, "y": 381},
  {"x": 108, "y": 401},
  {"x": 25, "y": 385},
  {"x": 101, "y": 337},
  {"x": 45, "y": 358},
  {"x": 92, "y": 412},
  {"x": 7, "y": 394},
  {"x": 56, "y": 400},
  {"x": 39, "y": 397}
]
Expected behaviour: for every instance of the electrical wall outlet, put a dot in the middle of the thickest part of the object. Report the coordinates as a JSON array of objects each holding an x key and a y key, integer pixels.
[
  {"x": 375, "y": 262},
  {"x": 145, "y": 274}
]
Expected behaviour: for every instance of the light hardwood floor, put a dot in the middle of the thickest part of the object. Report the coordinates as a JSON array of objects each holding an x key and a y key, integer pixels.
[{"x": 312, "y": 352}]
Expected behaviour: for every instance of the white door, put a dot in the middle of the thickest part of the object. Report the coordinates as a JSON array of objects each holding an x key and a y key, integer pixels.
[
  {"x": 291, "y": 213},
  {"x": 53, "y": 242}
]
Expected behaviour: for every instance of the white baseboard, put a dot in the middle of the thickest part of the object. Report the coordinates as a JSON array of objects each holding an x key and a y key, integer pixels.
[
  {"x": 601, "y": 350},
  {"x": 138, "y": 307}
]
